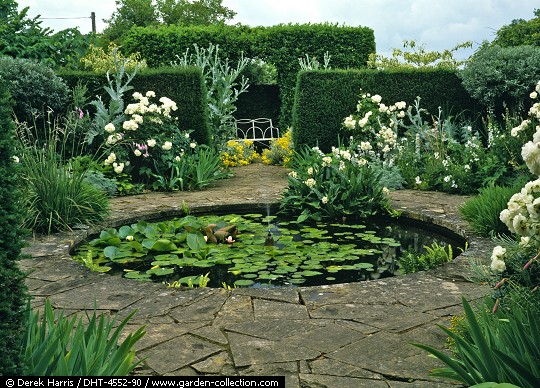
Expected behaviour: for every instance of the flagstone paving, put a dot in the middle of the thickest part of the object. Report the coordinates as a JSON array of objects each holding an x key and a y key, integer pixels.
[{"x": 346, "y": 335}]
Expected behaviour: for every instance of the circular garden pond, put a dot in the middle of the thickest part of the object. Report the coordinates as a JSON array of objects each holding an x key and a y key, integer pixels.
[{"x": 256, "y": 250}]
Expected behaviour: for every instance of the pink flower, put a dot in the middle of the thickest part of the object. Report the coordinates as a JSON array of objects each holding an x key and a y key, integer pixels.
[
  {"x": 143, "y": 147},
  {"x": 81, "y": 113},
  {"x": 229, "y": 240}
]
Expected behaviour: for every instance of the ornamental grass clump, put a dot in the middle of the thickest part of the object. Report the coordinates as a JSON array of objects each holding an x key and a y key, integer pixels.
[
  {"x": 56, "y": 198},
  {"x": 482, "y": 211}
]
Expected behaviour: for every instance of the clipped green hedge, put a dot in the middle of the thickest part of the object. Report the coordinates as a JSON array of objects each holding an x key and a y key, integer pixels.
[
  {"x": 185, "y": 86},
  {"x": 324, "y": 98},
  {"x": 13, "y": 292},
  {"x": 281, "y": 45}
]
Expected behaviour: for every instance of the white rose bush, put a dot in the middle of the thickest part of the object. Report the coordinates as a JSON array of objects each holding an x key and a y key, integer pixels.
[
  {"x": 516, "y": 263},
  {"x": 413, "y": 151},
  {"x": 149, "y": 149}
]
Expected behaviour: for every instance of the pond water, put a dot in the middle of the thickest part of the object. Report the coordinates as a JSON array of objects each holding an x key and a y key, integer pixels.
[{"x": 265, "y": 251}]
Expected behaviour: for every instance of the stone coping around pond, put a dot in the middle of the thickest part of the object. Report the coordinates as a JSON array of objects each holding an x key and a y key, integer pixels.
[{"x": 351, "y": 335}]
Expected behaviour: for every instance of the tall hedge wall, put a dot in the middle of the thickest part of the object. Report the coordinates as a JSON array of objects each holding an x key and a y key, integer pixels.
[
  {"x": 259, "y": 101},
  {"x": 281, "y": 45},
  {"x": 13, "y": 293},
  {"x": 324, "y": 98},
  {"x": 186, "y": 87}
]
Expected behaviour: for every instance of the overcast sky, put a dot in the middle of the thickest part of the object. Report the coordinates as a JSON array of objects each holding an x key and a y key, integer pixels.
[{"x": 439, "y": 24}]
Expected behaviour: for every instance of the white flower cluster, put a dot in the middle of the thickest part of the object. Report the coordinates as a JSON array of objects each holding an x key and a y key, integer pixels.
[
  {"x": 522, "y": 216},
  {"x": 310, "y": 183},
  {"x": 143, "y": 106},
  {"x": 497, "y": 259}
]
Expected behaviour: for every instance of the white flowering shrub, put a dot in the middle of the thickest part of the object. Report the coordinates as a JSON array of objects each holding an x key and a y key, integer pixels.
[
  {"x": 518, "y": 262},
  {"x": 432, "y": 154},
  {"x": 149, "y": 147},
  {"x": 373, "y": 128},
  {"x": 336, "y": 186}
]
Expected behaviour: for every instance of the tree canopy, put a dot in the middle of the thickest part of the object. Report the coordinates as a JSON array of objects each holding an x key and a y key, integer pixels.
[
  {"x": 147, "y": 13},
  {"x": 23, "y": 37},
  {"x": 520, "y": 32}
]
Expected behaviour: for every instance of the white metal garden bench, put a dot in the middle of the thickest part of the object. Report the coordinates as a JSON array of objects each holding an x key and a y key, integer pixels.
[{"x": 256, "y": 130}]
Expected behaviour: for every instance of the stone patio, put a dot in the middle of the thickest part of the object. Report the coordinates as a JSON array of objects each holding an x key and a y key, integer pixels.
[{"x": 347, "y": 335}]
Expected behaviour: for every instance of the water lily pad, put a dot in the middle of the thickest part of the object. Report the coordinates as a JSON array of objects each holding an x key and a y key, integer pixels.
[
  {"x": 160, "y": 271},
  {"x": 310, "y": 273},
  {"x": 297, "y": 281},
  {"x": 243, "y": 282}
]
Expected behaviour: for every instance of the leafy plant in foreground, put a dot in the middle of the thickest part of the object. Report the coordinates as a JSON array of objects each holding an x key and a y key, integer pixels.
[
  {"x": 335, "y": 186},
  {"x": 57, "y": 345},
  {"x": 503, "y": 348}
]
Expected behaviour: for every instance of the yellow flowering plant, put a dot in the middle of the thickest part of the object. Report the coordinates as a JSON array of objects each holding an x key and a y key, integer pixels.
[
  {"x": 239, "y": 153},
  {"x": 280, "y": 150}
]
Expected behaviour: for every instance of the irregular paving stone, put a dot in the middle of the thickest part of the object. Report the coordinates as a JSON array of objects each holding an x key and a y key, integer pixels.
[
  {"x": 420, "y": 384},
  {"x": 237, "y": 308},
  {"x": 219, "y": 364},
  {"x": 366, "y": 292},
  {"x": 274, "y": 329},
  {"x": 424, "y": 292},
  {"x": 287, "y": 369},
  {"x": 387, "y": 354},
  {"x": 53, "y": 273},
  {"x": 57, "y": 287},
  {"x": 157, "y": 334},
  {"x": 286, "y": 294},
  {"x": 330, "y": 367},
  {"x": 327, "y": 338},
  {"x": 109, "y": 293},
  {"x": 178, "y": 353},
  {"x": 35, "y": 284},
  {"x": 201, "y": 310},
  {"x": 212, "y": 334},
  {"x": 264, "y": 309},
  {"x": 323, "y": 381},
  {"x": 247, "y": 350},
  {"x": 398, "y": 319},
  {"x": 360, "y": 327},
  {"x": 162, "y": 300}
]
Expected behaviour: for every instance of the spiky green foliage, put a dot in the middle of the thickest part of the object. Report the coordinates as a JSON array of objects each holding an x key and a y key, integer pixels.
[
  {"x": 482, "y": 211},
  {"x": 57, "y": 345}
]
